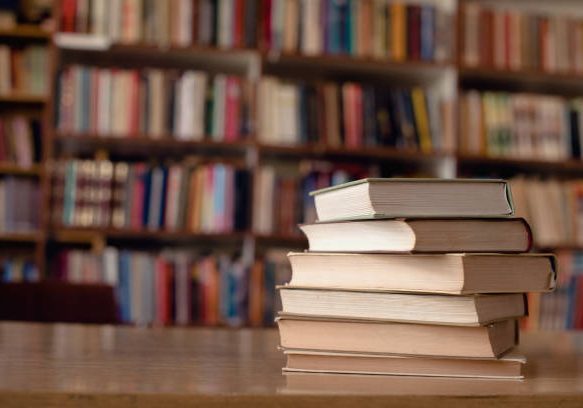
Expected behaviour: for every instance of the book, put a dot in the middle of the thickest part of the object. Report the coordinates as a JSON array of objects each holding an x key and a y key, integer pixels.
[
  {"x": 397, "y": 338},
  {"x": 383, "y": 197},
  {"x": 447, "y": 273},
  {"x": 420, "y": 235},
  {"x": 510, "y": 366},
  {"x": 478, "y": 310}
]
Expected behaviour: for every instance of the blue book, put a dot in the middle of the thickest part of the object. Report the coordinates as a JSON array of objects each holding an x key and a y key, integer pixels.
[
  {"x": 147, "y": 178},
  {"x": 220, "y": 185},
  {"x": 7, "y": 271},
  {"x": 163, "y": 203},
  {"x": 85, "y": 98},
  {"x": 345, "y": 27},
  {"x": 124, "y": 285},
  {"x": 427, "y": 32},
  {"x": 333, "y": 26},
  {"x": 69, "y": 193}
]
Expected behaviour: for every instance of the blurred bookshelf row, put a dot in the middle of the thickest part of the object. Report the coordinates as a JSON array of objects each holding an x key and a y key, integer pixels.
[{"x": 165, "y": 150}]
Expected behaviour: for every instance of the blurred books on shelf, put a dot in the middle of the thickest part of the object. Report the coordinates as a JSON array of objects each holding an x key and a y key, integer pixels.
[
  {"x": 352, "y": 115},
  {"x": 18, "y": 269},
  {"x": 154, "y": 103},
  {"x": 553, "y": 210},
  {"x": 528, "y": 126},
  {"x": 19, "y": 198},
  {"x": 513, "y": 37},
  {"x": 281, "y": 197},
  {"x": 20, "y": 140},
  {"x": 181, "y": 23},
  {"x": 391, "y": 30},
  {"x": 181, "y": 287},
  {"x": 139, "y": 196},
  {"x": 23, "y": 71}
]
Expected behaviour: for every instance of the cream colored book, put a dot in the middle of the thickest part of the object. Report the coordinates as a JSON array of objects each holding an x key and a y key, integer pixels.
[
  {"x": 477, "y": 310},
  {"x": 426, "y": 273},
  {"x": 420, "y": 235},
  {"x": 397, "y": 338},
  {"x": 509, "y": 366},
  {"x": 402, "y": 197}
]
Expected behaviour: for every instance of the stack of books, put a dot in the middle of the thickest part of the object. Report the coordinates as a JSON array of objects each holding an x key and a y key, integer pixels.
[{"x": 412, "y": 277}]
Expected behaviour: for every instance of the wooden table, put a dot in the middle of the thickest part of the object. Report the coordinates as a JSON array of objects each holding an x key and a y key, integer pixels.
[{"x": 106, "y": 366}]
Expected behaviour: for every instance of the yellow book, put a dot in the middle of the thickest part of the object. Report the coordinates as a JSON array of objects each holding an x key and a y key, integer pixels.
[
  {"x": 421, "y": 119},
  {"x": 398, "y": 32}
]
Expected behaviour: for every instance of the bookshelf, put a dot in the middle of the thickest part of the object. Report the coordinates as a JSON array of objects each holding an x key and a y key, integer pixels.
[{"x": 252, "y": 56}]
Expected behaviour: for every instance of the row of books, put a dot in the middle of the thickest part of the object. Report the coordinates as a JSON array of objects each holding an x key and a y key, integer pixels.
[
  {"x": 20, "y": 140},
  {"x": 23, "y": 70},
  {"x": 563, "y": 309},
  {"x": 222, "y": 23},
  {"x": 519, "y": 39},
  {"x": 152, "y": 102},
  {"x": 181, "y": 287},
  {"x": 195, "y": 197},
  {"x": 18, "y": 269},
  {"x": 527, "y": 126},
  {"x": 352, "y": 115},
  {"x": 553, "y": 209},
  {"x": 19, "y": 200},
  {"x": 281, "y": 195},
  {"x": 364, "y": 28}
]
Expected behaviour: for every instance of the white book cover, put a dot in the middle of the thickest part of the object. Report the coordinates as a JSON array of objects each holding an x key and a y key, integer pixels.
[
  {"x": 183, "y": 113},
  {"x": 185, "y": 23},
  {"x": 115, "y": 19},
  {"x": 287, "y": 104},
  {"x": 198, "y": 106},
  {"x": 110, "y": 266}
]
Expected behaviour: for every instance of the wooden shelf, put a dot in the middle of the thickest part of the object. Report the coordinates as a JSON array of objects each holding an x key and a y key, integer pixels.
[
  {"x": 571, "y": 166},
  {"x": 527, "y": 80},
  {"x": 24, "y": 99},
  {"x": 378, "y": 152},
  {"x": 26, "y": 31},
  {"x": 16, "y": 170},
  {"x": 141, "y": 145},
  {"x": 21, "y": 237},
  {"x": 346, "y": 63}
]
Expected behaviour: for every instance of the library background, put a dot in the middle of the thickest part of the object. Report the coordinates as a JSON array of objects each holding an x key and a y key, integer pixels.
[{"x": 155, "y": 156}]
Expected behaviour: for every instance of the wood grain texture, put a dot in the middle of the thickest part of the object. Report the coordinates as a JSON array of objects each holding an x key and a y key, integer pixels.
[{"x": 105, "y": 366}]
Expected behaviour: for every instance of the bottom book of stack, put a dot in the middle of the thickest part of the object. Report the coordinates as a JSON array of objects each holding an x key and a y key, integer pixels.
[{"x": 509, "y": 366}]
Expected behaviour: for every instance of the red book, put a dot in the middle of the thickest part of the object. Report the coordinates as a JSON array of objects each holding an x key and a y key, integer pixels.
[
  {"x": 195, "y": 12},
  {"x": 68, "y": 12},
  {"x": 163, "y": 289},
  {"x": 3, "y": 136},
  {"x": 578, "y": 323},
  {"x": 486, "y": 37},
  {"x": 266, "y": 25},
  {"x": 414, "y": 32},
  {"x": 347, "y": 113},
  {"x": 507, "y": 39},
  {"x": 232, "y": 109},
  {"x": 358, "y": 119},
  {"x": 238, "y": 22}
]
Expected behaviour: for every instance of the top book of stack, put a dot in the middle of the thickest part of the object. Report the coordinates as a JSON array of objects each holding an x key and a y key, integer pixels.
[{"x": 394, "y": 198}]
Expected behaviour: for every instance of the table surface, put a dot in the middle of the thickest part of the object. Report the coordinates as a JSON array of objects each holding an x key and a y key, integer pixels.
[{"x": 70, "y": 365}]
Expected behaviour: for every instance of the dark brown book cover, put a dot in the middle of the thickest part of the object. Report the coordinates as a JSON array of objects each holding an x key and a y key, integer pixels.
[{"x": 413, "y": 32}]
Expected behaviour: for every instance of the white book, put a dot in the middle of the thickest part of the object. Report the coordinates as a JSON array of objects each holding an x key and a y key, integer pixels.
[
  {"x": 115, "y": 16},
  {"x": 183, "y": 114},
  {"x": 110, "y": 266},
  {"x": 225, "y": 26},
  {"x": 287, "y": 106},
  {"x": 185, "y": 23},
  {"x": 311, "y": 33},
  {"x": 199, "y": 104},
  {"x": 263, "y": 214}
]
